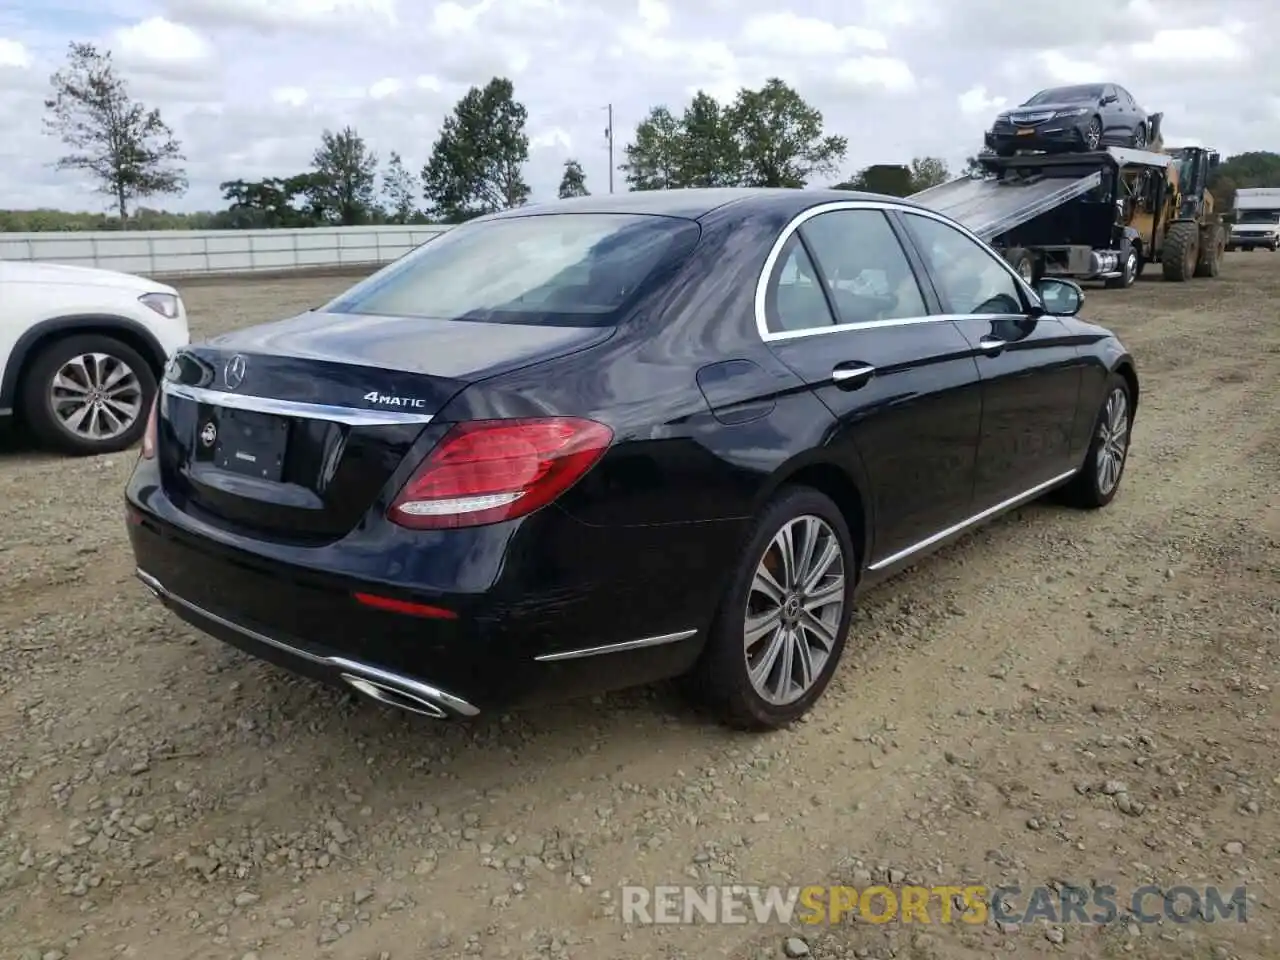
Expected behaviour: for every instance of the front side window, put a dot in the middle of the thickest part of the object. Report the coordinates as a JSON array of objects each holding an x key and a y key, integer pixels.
[
  {"x": 563, "y": 269},
  {"x": 970, "y": 278}
]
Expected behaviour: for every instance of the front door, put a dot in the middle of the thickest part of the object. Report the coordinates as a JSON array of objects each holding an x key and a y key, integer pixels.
[
  {"x": 1030, "y": 366},
  {"x": 845, "y": 312}
]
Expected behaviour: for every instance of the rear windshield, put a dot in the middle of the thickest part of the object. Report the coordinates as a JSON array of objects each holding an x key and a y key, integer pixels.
[
  {"x": 1066, "y": 95},
  {"x": 578, "y": 269}
]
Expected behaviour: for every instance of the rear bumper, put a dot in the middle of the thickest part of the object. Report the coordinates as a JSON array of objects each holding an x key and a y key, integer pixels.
[
  {"x": 574, "y": 610},
  {"x": 386, "y": 685}
]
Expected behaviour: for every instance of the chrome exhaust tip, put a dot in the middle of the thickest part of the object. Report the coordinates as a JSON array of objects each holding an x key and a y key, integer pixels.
[{"x": 394, "y": 697}]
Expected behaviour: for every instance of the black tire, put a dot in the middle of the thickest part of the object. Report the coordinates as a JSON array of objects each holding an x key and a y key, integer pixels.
[
  {"x": 1130, "y": 267},
  {"x": 1023, "y": 263},
  {"x": 37, "y": 405},
  {"x": 1087, "y": 490},
  {"x": 721, "y": 679},
  {"x": 1181, "y": 251},
  {"x": 1212, "y": 246},
  {"x": 1091, "y": 136},
  {"x": 1140, "y": 137}
]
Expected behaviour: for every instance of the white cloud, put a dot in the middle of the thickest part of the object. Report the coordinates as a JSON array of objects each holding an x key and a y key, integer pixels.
[
  {"x": 798, "y": 36},
  {"x": 13, "y": 55},
  {"x": 292, "y": 96},
  {"x": 977, "y": 102},
  {"x": 386, "y": 87},
  {"x": 886, "y": 73},
  {"x": 1191, "y": 45},
  {"x": 249, "y": 85},
  {"x": 286, "y": 14},
  {"x": 162, "y": 46}
]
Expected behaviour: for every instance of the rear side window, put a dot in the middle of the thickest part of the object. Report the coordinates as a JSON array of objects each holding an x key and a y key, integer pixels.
[
  {"x": 795, "y": 300},
  {"x": 561, "y": 269}
]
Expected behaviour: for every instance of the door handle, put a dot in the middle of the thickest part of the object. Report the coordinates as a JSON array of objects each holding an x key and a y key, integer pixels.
[
  {"x": 992, "y": 345},
  {"x": 852, "y": 376}
]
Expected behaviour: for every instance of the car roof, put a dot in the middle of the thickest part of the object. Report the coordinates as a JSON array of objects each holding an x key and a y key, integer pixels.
[{"x": 695, "y": 203}]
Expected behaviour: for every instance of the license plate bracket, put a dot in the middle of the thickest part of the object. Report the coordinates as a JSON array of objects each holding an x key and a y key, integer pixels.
[{"x": 251, "y": 444}]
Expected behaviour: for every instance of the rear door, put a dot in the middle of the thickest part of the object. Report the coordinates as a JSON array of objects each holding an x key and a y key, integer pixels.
[
  {"x": 1031, "y": 367},
  {"x": 844, "y": 310}
]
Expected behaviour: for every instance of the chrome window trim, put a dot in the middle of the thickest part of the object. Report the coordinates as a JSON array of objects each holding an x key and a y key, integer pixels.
[
  {"x": 762, "y": 283},
  {"x": 351, "y": 416}
]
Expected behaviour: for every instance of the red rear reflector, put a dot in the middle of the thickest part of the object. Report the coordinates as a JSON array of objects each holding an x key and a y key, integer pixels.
[
  {"x": 149, "y": 435},
  {"x": 405, "y": 606},
  {"x": 486, "y": 471}
]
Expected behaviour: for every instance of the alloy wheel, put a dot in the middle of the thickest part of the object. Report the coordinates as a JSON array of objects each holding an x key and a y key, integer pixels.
[
  {"x": 1093, "y": 135},
  {"x": 794, "y": 607},
  {"x": 1113, "y": 440},
  {"x": 1131, "y": 267},
  {"x": 96, "y": 396}
]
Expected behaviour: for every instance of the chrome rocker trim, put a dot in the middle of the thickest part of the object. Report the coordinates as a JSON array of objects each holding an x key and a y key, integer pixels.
[
  {"x": 977, "y": 518},
  {"x": 625, "y": 645},
  {"x": 374, "y": 682}
]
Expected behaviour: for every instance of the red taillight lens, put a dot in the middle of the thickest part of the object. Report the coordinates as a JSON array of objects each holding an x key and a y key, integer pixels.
[
  {"x": 149, "y": 435},
  {"x": 491, "y": 470}
]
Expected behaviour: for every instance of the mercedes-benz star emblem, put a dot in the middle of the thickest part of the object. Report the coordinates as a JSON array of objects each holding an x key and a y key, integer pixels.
[
  {"x": 234, "y": 371},
  {"x": 208, "y": 434}
]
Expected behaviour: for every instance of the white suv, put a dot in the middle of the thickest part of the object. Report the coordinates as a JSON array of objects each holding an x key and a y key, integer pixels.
[{"x": 81, "y": 352}]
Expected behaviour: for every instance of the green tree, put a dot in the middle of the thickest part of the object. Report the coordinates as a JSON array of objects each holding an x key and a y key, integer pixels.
[
  {"x": 709, "y": 154},
  {"x": 477, "y": 162},
  {"x": 128, "y": 149},
  {"x": 654, "y": 157},
  {"x": 928, "y": 172},
  {"x": 573, "y": 183},
  {"x": 890, "y": 179},
  {"x": 401, "y": 190},
  {"x": 780, "y": 138},
  {"x": 345, "y": 178},
  {"x": 274, "y": 202},
  {"x": 766, "y": 138},
  {"x": 1256, "y": 168}
]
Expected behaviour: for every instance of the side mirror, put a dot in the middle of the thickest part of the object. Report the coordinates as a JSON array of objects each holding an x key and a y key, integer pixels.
[{"x": 1061, "y": 298}]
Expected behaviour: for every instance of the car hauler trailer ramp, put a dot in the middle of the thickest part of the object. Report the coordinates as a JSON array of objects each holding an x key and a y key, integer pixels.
[
  {"x": 990, "y": 207},
  {"x": 1098, "y": 215}
]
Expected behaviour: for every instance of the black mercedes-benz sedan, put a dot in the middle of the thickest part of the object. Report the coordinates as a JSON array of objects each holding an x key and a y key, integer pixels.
[{"x": 600, "y": 442}]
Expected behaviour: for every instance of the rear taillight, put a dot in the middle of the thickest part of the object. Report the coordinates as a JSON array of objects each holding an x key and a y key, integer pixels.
[
  {"x": 149, "y": 435},
  {"x": 491, "y": 470}
]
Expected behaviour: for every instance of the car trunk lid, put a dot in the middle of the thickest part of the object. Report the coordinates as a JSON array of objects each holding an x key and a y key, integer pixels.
[{"x": 293, "y": 430}]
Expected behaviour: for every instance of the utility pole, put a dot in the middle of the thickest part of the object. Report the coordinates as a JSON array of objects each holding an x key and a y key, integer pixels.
[{"x": 609, "y": 136}]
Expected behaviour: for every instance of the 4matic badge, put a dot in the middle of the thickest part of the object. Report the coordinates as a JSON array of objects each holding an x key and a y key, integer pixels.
[{"x": 373, "y": 396}]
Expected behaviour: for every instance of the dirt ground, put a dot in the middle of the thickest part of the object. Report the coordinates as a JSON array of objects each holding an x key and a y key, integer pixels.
[{"x": 1063, "y": 697}]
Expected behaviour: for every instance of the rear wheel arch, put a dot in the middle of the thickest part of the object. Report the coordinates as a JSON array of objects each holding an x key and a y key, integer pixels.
[
  {"x": 836, "y": 484},
  {"x": 40, "y": 336}
]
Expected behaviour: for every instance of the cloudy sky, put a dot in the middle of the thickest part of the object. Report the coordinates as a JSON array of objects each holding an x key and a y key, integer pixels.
[{"x": 250, "y": 84}]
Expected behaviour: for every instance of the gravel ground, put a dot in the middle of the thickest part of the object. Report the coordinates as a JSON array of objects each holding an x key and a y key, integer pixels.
[{"x": 1062, "y": 697}]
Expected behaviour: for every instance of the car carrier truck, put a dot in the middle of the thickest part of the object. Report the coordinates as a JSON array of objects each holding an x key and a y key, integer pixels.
[
  {"x": 1257, "y": 219},
  {"x": 1102, "y": 215}
]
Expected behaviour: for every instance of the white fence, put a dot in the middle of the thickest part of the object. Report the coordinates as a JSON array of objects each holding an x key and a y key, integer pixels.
[{"x": 177, "y": 253}]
